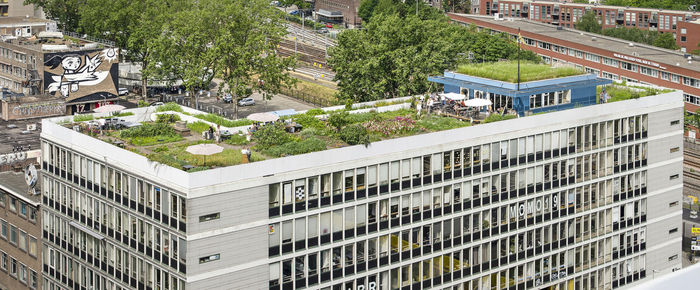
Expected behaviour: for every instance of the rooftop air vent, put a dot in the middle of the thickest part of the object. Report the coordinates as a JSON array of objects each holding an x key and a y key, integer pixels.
[
  {"x": 631, "y": 44},
  {"x": 593, "y": 38}
]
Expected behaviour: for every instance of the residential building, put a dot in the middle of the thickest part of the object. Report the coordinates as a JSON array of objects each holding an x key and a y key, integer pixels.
[
  {"x": 80, "y": 75},
  {"x": 20, "y": 238},
  {"x": 16, "y": 8},
  {"x": 567, "y": 14},
  {"x": 607, "y": 57},
  {"x": 578, "y": 199},
  {"x": 342, "y": 12}
]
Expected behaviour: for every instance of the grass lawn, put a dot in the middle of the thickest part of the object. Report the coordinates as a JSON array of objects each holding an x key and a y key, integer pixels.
[
  {"x": 153, "y": 140},
  {"x": 625, "y": 92},
  {"x": 216, "y": 119},
  {"x": 176, "y": 156},
  {"x": 507, "y": 71},
  {"x": 198, "y": 126},
  {"x": 316, "y": 91}
]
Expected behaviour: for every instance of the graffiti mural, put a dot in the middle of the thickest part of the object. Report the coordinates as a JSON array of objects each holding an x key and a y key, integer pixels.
[{"x": 82, "y": 76}]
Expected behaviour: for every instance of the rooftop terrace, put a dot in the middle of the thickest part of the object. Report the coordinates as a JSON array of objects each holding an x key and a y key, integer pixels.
[
  {"x": 230, "y": 178},
  {"x": 507, "y": 71}
]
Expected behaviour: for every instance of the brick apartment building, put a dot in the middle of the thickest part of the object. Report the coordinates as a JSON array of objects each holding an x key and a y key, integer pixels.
[{"x": 684, "y": 25}]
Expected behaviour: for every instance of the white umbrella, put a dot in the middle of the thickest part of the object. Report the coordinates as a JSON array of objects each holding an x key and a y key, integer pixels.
[
  {"x": 477, "y": 102},
  {"x": 204, "y": 149},
  {"x": 109, "y": 109},
  {"x": 263, "y": 117},
  {"x": 454, "y": 96}
]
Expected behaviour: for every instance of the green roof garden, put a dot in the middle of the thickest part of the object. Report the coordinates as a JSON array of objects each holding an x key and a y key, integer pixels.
[{"x": 507, "y": 71}]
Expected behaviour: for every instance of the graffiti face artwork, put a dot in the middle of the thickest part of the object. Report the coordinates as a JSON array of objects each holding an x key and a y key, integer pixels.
[{"x": 76, "y": 75}]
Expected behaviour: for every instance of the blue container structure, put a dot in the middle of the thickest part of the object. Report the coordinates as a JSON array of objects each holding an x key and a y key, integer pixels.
[{"x": 532, "y": 97}]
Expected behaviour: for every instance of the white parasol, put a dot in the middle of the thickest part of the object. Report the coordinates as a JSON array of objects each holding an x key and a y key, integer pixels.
[
  {"x": 204, "y": 149},
  {"x": 477, "y": 102},
  {"x": 454, "y": 96},
  {"x": 109, "y": 109},
  {"x": 263, "y": 117}
]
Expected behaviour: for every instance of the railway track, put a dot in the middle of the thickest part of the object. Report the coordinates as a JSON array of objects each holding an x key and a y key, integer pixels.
[
  {"x": 305, "y": 53},
  {"x": 691, "y": 170}
]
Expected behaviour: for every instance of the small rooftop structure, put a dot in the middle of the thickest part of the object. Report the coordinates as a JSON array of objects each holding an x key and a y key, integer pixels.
[
  {"x": 544, "y": 90},
  {"x": 15, "y": 183}
]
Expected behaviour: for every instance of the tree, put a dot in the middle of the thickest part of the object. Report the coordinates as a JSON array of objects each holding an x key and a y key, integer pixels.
[
  {"x": 245, "y": 42},
  {"x": 184, "y": 49},
  {"x": 301, "y": 4},
  {"x": 665, "y": 40},
  {"x": 132, "y": 25},
  {"x": 458, "y": 6},
  {"x": 366, "y": 9},
  {"x": 369, "y": 8},
  {"x": 394, "y": 55},
  {"x": 65, "y": 12},
  {"x": 589, "y": 23}
]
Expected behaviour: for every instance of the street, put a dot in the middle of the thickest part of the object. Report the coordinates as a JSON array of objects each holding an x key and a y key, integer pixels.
[{"x": 210, "y": 105}]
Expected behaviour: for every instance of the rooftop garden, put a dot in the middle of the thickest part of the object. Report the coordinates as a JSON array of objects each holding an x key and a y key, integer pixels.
[
  {"x": 620, "y": 92},
  {"x": 507, "y": 71},
  {"x": 164, "y": 141}
]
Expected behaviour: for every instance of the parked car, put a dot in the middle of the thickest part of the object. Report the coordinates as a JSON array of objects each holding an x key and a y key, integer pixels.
[
  {"x": 156, "y": 104},
  {"x": 123, "y": 91},
  {"x": 693, "y": 214},
  {"x": 323, "y": 30},
  {"x": 228, "y": 98},
  {"x": 329, "y": 25},
  {"x": 246, "y": 102},
  {"x": 275, "y": 3},
  {"x": 295, "y": 12}
]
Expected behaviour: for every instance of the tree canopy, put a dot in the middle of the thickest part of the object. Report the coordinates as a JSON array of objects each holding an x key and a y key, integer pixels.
[
  {"x": 394, "y": 55},
  {"x": 589, "y": 22},
  {"x": 403, "y": 8}
]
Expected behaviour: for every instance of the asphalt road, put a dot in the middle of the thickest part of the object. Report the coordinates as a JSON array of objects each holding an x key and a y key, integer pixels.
[{"x": 210, "y": 105}]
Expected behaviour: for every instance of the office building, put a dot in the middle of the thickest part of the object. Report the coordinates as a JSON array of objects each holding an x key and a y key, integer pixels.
[{"x": 582, "y": 198}]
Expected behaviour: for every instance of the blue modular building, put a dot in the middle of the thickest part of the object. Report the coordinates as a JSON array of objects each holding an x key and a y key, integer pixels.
[{"x": 532, "y": 97}]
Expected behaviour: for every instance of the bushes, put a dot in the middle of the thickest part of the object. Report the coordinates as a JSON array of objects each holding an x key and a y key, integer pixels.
[
  {"x": 339, "y": 119},
  {"x": 271, "y": 135},
  {"x": 142, "y": 104},
  {"x": 315, "y": 111},
  {"x": 149, "y": 130},
  {"x": 311, "y": 144},
  {"x": 170, "y": 107},
  {"x": 236, "y": 140},
  {"x": 198, "y": 126},
  {"x": 309, "y": 121},
  {"x": 354, "y": 134},
  {"x": 216, "y": 119},
  {"x": 83, "y": 118},
  {"x": 437, "y": 123},
  {"x": 167, "y": 118}
]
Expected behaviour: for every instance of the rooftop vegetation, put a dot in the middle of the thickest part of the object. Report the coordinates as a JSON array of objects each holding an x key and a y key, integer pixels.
[
  {"x": 507, "y": 71},
  {"x": 621, "y": 92}
]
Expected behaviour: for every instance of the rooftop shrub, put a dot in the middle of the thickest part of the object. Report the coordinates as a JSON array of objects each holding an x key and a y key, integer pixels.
[{"x": 507, "y": 71}]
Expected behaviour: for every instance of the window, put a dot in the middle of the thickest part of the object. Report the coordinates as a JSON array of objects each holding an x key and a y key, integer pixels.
[
  {"x": 13, "y": 267},
  {"x": 628, "y": 66},
  {"x": 672, "y": 177},
  {"x": 675, "y": 122},
  {"x": 673, "y": 231},
  {"x": 671, "y": 258},
  {"x": 13, "y": 205},
  {"x": 22, "y": 241},
  {"x": 206, "y": 218},
  {"x": 211, "y": 258},
  {"x": 32, "y": 246},
  {"x": 13, "y": 234},
  {"x": 5, "y": 229},
  {"x": 648, "y": 71},
  {"x": 2, "y": 198},
  {"x": 3, "y": 261},
  {"x": 675, "y": 203},
  {"x": 674, "y": 149}
]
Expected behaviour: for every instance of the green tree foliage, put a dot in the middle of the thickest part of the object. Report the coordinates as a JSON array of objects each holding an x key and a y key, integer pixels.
[
  {"x": 301, "y": 4},
  {"x": 354, "y": 134},
  {"x": 132, "y": 25},
  {"x": 663, "y": 4},
  {"x": 458, "y": 6},
  {"x": 394, "y": 55},
  {"x": 65, "y": 12},
  {"x": 338, "y": 120},
  {"x": 589, "y": 22},
  {"x": 665, "y": 40},
  {"x": 271, "y": 135},
  {"x": 369, "y": 8}
]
